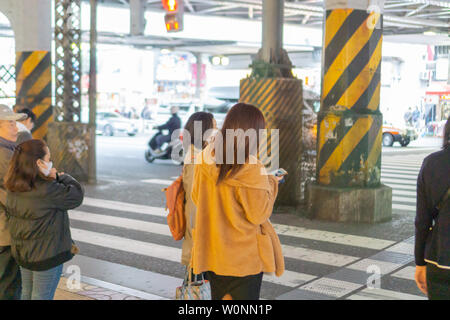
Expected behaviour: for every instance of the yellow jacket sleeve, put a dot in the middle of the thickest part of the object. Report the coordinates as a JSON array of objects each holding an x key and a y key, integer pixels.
[{"x": 258, "y": 203}]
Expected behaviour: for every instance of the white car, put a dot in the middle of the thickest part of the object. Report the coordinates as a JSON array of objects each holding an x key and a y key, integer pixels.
[{"x": 110, "y": 123}]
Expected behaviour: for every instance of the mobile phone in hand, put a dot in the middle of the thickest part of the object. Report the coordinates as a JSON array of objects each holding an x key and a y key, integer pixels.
[{"x": 280, "y": 173}]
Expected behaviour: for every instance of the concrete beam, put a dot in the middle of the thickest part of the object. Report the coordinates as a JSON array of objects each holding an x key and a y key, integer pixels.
[{"x": 31, "y": 23}]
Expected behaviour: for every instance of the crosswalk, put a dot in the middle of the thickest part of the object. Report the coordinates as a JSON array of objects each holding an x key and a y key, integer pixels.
[
  {"x": 400, "y": 173},
  {"x": 320, "y": 264}
]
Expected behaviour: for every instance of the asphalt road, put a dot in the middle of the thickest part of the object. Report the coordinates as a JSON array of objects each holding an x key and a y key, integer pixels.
[{"x": 120, "y": 233}]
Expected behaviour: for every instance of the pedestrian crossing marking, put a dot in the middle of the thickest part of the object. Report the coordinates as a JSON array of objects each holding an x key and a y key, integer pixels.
[
  {"x": 404, "y": 199},
  {"x": 404, "y": 207},
  {"x": 163, "y": 229},
  {"x": 382, "y": 294},
  {"x": 126, "y": 223},
  {"x": 125, "y": 206},
  {"x": 396, "y": 175},
  {"x": 331, "y": 287},
  {"x": 290, "y": 278},
  {"x": 385, "y": 267},
  {"x": 396, "y": 186},
  {"x": 339, "y": 238},
  {"x": 405, "y": 273},
  {"x": 404, "y": 193},
  {"x": 159, "y": 251},
  {"x": 394, "y": 169},
  {"x": 399, "y": 182},
  {"x": 317, "y": 256},
  {"x": 158, "y": 181}
]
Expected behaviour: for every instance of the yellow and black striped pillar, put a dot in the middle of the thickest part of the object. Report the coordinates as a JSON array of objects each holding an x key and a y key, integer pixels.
[
  {"x": 34, "y": 87},
  {"x": 349, "y": 121},
  {"x": 280, "y": 100},
  {"x": 348, "y": 167}
]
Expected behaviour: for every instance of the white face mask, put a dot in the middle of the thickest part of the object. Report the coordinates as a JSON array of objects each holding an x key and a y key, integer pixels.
[{"x": 46, "y": 171}]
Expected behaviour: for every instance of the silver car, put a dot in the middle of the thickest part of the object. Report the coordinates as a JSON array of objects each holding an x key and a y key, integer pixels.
[{"x": 110, "y": 123}]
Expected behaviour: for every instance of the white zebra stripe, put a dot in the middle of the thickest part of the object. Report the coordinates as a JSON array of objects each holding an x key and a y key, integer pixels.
[
  {"x": 125, "y": 206},
  {"x": 158, "y": 181},
  {"x": 401, "y": 176},
  {"x": 398, "y": 182},
  {"x": 153, "y": 250},
  {"x": 298, "y": 232},
  {"x": 382, "y": 294}
]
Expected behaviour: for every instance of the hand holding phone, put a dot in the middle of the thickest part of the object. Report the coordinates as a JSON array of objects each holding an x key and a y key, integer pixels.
[{"x": 279, "y": 174}]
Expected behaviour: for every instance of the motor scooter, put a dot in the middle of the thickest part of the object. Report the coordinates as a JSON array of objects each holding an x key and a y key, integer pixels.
[{"x": 166, "y": 150}]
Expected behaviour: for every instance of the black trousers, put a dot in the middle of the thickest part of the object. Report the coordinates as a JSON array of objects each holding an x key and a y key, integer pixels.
[
  {"x": 438, "y": 283},
  {"x": 239, "y": 288},
  {"x": 10, "y": 278}
]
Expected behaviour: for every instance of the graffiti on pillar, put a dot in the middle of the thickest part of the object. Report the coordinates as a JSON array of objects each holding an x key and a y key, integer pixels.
[{"x": 7, "y": 81}]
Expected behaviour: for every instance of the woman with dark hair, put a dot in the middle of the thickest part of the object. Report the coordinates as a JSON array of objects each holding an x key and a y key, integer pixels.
[
  {"x": 37, "y": 202},
  {"x": 432, "y": 241},
  {"x": 194, "y": 141},
  {"x": 234, "y": 242}
]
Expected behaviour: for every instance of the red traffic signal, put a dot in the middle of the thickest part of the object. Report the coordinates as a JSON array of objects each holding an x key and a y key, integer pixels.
[
  {"x": 174, "y": 22},
  {"x": 171, "y": 5}
]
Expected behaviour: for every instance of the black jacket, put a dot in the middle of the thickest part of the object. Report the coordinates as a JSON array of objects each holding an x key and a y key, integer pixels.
[
  {"x": 39, "y": 223},
  {"x": 173, "y": 124},
  {"x": 432, "y": 183}
]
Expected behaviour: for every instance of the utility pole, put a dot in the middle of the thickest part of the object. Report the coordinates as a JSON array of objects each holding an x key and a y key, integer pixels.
[{"x": 92, "y": 171}]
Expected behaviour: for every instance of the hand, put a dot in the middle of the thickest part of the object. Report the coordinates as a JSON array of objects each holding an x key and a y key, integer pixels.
[
  {"x": 421, "y": 279},
  {"x": 279, "y": 178},
  {"x": 53, "y": 173}
]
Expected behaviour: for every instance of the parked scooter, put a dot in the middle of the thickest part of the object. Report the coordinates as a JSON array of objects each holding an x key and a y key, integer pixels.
[{"x": 166, "y": 150}]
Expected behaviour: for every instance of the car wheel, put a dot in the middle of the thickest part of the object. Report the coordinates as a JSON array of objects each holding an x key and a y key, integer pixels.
[
  {"x": 388, "y": 140},
  {"x": 131, "y": 134},
  {"x": 108, "y": 130},
  {"x": 404, "y": 143}
]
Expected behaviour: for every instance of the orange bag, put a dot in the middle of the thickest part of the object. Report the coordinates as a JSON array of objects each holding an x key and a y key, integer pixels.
[{"x": 176, "y": 219}]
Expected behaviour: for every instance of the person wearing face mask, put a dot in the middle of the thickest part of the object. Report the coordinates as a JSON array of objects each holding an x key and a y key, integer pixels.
[
  {"x": 37, "y": 201},
  {"x": 10, "y": 279},
  {"x": 25, "y": 126}
]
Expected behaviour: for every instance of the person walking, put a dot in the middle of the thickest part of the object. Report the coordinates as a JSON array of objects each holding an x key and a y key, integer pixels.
[
  {"x": 193, "y": 145},
  {"x": 37, "y": 202},
  {"x": 233, "y": 240},
  {"x": 432, "y": 223},
  {"x": 10, "y": 279},
  {"x": 25, "y": 126}
]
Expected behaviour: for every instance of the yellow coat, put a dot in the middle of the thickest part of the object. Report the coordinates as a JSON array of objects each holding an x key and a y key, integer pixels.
[{"x": 233, "y": 235}]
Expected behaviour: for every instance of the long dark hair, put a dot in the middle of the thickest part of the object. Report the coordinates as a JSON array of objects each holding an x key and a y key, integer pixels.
[
  {"x": 446, "y": 142},
  {"x": 207, "y": 120},
  {"x": 23, "y": 169},
  {"x": 241, "y": 116}
]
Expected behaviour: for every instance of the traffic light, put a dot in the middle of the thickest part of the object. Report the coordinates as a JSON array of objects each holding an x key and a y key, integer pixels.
[{"x": 174, "y": 16}]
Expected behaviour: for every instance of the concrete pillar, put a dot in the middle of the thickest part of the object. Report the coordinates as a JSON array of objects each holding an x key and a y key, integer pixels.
[
  {"x": 272, "y": 37},
  {"x": 279, "y": 96},
  {"x": 349, "y": 122},
  {"x": 137, "y": 17},
  {"x": 31, "y": 23}
]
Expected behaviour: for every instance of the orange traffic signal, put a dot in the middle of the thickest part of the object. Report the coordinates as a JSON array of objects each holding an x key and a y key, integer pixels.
[
  {"x": 170, "y": 5},
  {"x": 174, "y": 22},
  {"x": 174, "y": 16}
]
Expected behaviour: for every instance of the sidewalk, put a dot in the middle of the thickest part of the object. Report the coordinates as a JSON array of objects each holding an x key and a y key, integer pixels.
[{"x": 89, "y": 292}]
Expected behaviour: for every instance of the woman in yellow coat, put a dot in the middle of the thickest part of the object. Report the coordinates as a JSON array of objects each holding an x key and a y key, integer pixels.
[{"x": 234, "y": 241}]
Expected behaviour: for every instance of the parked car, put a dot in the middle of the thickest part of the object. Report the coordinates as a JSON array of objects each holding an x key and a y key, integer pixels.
[
  {"x": 393, "y": 134},
  {"x": 110, "y": 123}
]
